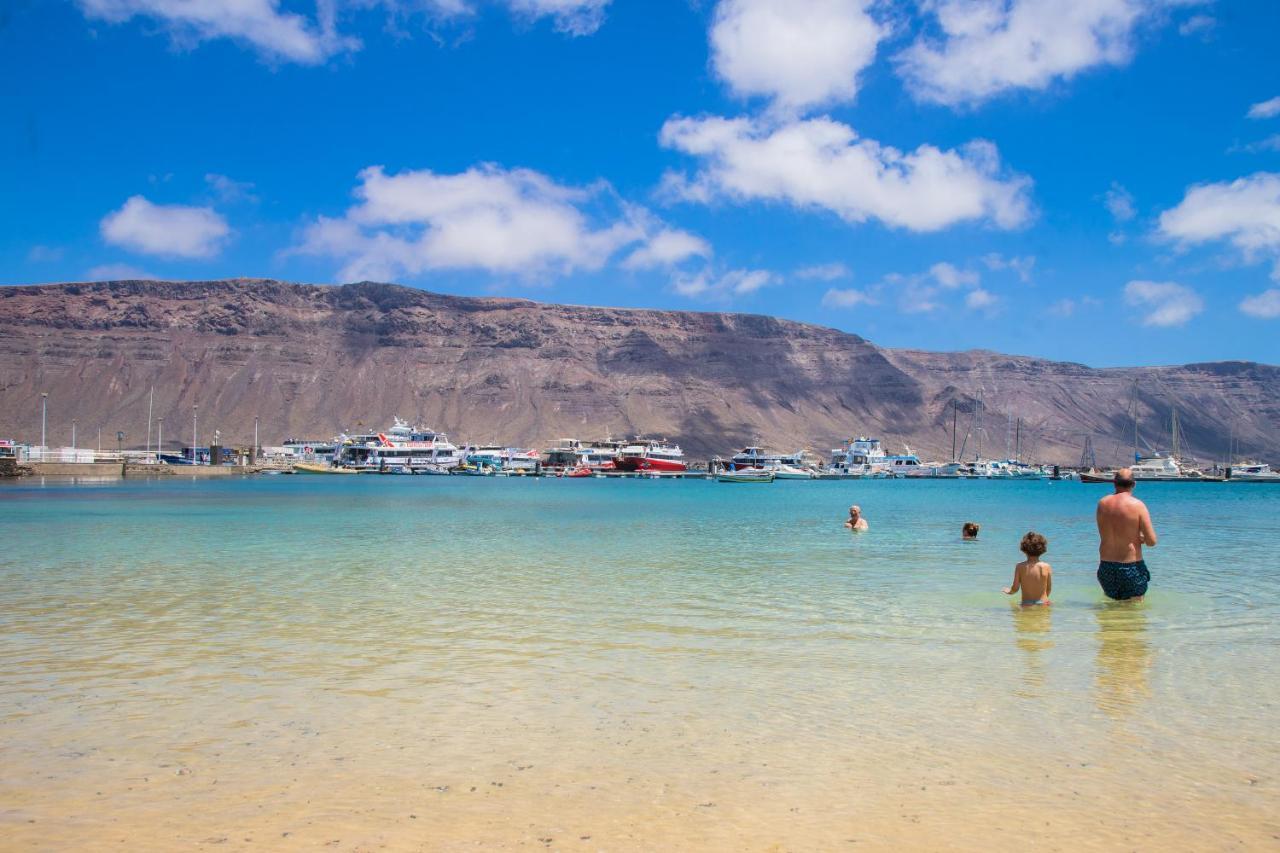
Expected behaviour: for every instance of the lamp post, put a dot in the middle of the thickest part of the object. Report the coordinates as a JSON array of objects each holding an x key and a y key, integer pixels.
[
  {"x": 195, "y": 413},
  {"x": 73, "y": 433},
  {"x": 44, "y": 408},
  {"x": 160, "y": 440}
]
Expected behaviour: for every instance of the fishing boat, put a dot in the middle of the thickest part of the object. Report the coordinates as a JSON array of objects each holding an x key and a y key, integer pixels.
[
  {"x": 1252, "y": 472},
  {"x": 651, "y": 456},
  {"x": 746, "y": 475}
]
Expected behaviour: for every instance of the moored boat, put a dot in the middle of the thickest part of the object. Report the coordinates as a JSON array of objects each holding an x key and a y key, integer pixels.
[
  {"x": 654, "y": 456},
  {"x": 746, "y": 475}
]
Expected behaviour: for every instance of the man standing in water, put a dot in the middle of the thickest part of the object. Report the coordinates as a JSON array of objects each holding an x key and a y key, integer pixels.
[
  {"x": 1124, "y": 526},
  {"x": 855, "y": 521}
]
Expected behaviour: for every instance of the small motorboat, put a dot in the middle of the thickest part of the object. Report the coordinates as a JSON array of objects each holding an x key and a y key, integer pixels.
[{"x": 746, "y": 475}]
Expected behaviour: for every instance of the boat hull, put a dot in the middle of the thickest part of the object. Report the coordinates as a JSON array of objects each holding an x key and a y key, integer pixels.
[{"x": 642, "y": 464}]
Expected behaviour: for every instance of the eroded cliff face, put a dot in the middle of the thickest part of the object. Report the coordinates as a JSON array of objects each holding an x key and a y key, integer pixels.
[{"x": 311, "y": 361}]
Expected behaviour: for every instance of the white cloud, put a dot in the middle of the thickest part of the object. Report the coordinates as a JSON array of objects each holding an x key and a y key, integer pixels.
[
  {"x": 165, "y": 229},
  {"x": 1021, "y": 265},
  {"x": 512, "y": 222},
  {"x": 118, "y": 272},
  {"x": 1164, "y": 303},
  {"x": 666, "y": 249},
  {"x": 846, "y": 298},
  {"x": 230, "y": 191},
  {"x": 980, "y": 299},
  {"x": 1119, "y": 202},
  {"x": 800, "y": 53},
  {"x": 1265, "y": 305},
  {"x": 1245, "y": 212},
  {"x": 821, "y": 163},
  {"x": 45, "y": 254},
  {"x": 824, "y": 272},
  {"x": 1266, "y": 109},
  {"x": 950, "y": 277},
  {"x": 1068, "y": 307},
  {"x": 710, "y": 285},
  {"x": 988, "y": 47},
  {"x": 1197, "y": 24},
  {"x": 574, "y": 17},
  {"x": 276, "y": 34},
  {"x": 1270, "y": 143}
]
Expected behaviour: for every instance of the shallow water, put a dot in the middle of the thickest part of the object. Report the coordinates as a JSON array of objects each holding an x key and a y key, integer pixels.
[{"x": 446, "y": 663}]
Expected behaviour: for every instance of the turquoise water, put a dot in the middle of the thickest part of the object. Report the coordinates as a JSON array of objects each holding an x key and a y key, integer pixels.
[{"x": 513, "y": 660}]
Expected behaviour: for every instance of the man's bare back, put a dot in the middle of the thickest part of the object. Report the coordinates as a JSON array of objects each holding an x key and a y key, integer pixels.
[{"x": 1124, "y": 528}]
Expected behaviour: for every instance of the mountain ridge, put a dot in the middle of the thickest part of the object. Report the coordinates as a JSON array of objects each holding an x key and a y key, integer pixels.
[{"x": 311, "y": 360}]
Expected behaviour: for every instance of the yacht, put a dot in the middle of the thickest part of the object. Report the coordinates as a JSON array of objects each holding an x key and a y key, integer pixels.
[
  {"x": 508, "y": 460},
  {"x": 783, "y": 465},
  {"x": 571, "y": 454},
  {"x": 865, "y": 457},
  {"x": 1252, "y": 472}
]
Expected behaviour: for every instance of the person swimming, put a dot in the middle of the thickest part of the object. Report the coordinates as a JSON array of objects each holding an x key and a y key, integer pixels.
[
  {"x": 970, "y": 530},
  {"x": 1124, "y": 527},
  {"x": 1033, "y": 576},
  {"x": 855, "y": 521}
]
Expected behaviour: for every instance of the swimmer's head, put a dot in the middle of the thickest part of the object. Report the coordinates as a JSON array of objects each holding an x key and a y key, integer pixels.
[
  {"x": 855, "y": 510},
  {"x": 1124, "y": 480},
  {"x": 970, "y": 530},
  {"x": 1034, "y": 545}
]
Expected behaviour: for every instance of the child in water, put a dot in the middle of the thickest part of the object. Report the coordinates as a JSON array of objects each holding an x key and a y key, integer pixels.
[
  {"x": 1033, "y": 576},
  {"x": 969, "y": 531}
]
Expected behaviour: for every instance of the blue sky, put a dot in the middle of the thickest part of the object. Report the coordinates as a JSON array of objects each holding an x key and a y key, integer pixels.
[{"x": 1091, "y": 180}]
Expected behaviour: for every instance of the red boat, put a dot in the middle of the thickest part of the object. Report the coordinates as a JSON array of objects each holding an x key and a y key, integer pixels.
[{"x": 653, "y": 456}]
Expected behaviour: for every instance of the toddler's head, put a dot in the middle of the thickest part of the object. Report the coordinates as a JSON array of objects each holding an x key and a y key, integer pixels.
[{"x": 1034, "y": 545}]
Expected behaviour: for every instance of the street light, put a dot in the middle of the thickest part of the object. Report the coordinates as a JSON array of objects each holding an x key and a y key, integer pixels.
[
  {"x": 195, "y": 412},
  {"x": 73, "y": 433},
  {"x": 160, "y": 441},
  {"x": 44, "y": 407}
]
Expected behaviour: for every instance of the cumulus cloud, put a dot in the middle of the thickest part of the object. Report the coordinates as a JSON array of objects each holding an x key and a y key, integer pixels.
[
  {"x": 950, "y": 277},
  {"x": 1265, "y": 305},
  {"x": 821, "y": 163},
  {"x": 667, "y": 248},
  {"x": 495, "y": 220},
  {"x": 118, "y": 272},
  {"x": 1266, "y": 109},
  {"x": 713, "y": 286},
  {"x": 574, "y": 17},
  {"x": 1245, "y": 212},
  {"x": 1163, "y": 303},
  {"x": 846, "y": 298},
  {"x": 824, "y": 272},
  {"x": 276, "y": 34},
  {"x": 987, "y": 47},
  {"x": 980, "y": 299},
  {"x": 172, "y": 230},
  {"x": 799, "y": 53}
]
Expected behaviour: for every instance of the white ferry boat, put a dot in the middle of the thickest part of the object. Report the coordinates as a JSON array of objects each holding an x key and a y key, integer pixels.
[
  {"x": 401, "y": 449},
  {"x": 508, "y": 460}
]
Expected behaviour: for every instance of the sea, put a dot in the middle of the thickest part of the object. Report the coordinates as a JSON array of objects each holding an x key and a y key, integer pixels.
[{"x": 464, "y": 663}]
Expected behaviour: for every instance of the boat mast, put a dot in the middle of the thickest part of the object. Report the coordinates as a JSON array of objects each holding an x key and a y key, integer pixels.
[{"x": 955, "y": 405}]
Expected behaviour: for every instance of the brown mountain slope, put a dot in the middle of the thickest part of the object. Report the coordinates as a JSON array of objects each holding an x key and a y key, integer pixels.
[{"x": 311, "y": 360}]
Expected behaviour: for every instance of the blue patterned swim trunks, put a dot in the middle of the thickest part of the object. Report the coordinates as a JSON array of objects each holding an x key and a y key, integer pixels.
[{"x": 1123, "y": 580}]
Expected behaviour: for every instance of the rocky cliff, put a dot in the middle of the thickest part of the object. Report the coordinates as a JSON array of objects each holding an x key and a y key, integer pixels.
[{"x": 310, "y": 361}]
